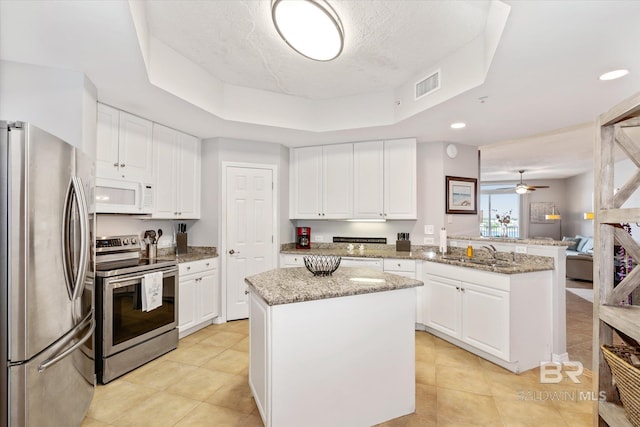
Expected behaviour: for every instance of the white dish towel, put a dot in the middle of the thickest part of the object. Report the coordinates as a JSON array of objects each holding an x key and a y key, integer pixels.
[{"x": 151, "y": 291}]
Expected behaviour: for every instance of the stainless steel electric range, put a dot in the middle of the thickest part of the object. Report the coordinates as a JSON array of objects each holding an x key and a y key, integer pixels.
[{"x": 127, "y": 336}]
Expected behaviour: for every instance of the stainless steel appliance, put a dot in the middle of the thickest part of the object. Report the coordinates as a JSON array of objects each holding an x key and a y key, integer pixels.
[
  {"x": 127, "y": 336},
  {"x": 46, "y": 279}
]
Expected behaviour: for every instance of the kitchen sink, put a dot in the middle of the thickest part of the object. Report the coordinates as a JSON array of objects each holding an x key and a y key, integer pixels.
[{"x": 481, "y": 261}]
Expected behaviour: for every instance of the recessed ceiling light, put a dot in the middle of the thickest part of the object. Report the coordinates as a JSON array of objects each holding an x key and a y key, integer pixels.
[
  {"x": 612, "y": 75},
  {"x": 310, "y": 27},
  {"x": 458, "y": 125}
]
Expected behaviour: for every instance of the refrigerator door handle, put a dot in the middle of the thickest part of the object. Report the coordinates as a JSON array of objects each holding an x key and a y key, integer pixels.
[
  {"x": 67, "y": 338},
  {"x": 75, "y": 193}
]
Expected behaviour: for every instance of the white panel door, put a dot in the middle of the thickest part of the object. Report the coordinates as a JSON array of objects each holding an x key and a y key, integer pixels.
[
  {"x": 337, "y": 181},
  {"x": 400, "y": 180},
  {"x": 368, "y": 177},
  {"x": 249, "y": 232},
  {"x": 306, "y": 183}
]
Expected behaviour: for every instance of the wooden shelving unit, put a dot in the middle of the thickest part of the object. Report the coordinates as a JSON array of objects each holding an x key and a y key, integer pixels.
[{"x": 609, "y": 315}]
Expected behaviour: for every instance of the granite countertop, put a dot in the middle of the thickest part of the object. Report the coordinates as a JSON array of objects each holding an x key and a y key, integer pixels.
[
  {"x": 481, "y": 260},
  {"x": 194, "y": 253},
  {"x": 289, "y": 285},
  {"x": 541, "y": 242}
]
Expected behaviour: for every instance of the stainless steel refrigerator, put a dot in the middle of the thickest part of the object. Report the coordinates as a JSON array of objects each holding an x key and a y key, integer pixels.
[{"x": 46, "y": 286}]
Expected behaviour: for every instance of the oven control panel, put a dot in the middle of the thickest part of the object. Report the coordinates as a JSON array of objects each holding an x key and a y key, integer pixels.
[{"x": 117, "y": 243}]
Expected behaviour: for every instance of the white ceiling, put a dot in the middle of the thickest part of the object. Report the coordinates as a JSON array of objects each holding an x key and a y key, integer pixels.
[
  {"x": 541, "y": 85},
  {"x": 386, "y": 43}
]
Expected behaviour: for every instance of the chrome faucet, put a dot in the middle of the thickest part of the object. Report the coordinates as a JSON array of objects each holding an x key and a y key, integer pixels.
[{"x": 492, "y": 250}]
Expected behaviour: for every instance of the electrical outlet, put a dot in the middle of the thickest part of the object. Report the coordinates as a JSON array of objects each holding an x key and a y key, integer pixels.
[
  {"x": 521, "y": 249},
  {"x": 428, "y": 229},
  {"x": 429, "y": 241},
  {"x": 318, "y": 238},
  {"x": 449, "y": 219}
]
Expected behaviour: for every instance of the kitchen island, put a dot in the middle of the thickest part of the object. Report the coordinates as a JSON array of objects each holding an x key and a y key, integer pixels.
[{"x": 337, "y": 350}]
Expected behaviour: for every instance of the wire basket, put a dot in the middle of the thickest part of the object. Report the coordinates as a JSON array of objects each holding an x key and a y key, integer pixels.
[
  {"x": 620, "y": 359},
  {"x": 322, "y": 265}
]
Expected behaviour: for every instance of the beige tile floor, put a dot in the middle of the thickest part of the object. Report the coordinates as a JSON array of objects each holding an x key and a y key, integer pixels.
[{"x": 204, "y": 383}]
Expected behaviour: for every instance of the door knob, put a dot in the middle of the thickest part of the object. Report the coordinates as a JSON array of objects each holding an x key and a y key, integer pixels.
[{"x": 231, "y": 252}]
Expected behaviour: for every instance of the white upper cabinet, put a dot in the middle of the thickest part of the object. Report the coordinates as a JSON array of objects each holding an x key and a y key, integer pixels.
[
  {"x": 322, "y": 182},
  {"x": 177, "y": 163},
  {"x": 385, "y": 182},
  {"x": 124, "y": 146},
  {"x": 400, "y": 179},
  {"x": 361, "y": 180},
  {"x": 337, "y": 181},
  {"x": 368, "y": 171},
  {"x": 306, "y": 183}
]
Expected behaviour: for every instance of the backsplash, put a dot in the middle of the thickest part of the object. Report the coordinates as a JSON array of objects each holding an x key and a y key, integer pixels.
[{"x": 112, "y": 225}]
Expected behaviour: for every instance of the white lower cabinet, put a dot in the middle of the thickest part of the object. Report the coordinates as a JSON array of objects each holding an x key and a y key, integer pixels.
[
  {"x": 291, "y": 260},
  {"x": 505, "y": 318},
  {"x": 198, "y": 302},
  {"x": 407, "y": 268},
  {"x": 474, "y": 314}
]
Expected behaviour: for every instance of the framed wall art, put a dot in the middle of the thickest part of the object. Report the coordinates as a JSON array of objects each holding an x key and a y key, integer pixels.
[{"x": 462, "y": 195}]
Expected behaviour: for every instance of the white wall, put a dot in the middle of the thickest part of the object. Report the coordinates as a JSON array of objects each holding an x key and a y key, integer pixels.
[
  {"x": 205, "y": 232},
  {"x": 556, "y": 194},
  {"x": 580, "y": 196},
  {"x": 62, "y": 102},
  {"x": 579, "y": 192}
]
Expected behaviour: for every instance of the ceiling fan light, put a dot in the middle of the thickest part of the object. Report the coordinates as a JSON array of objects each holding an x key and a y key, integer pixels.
[
  {"x": 310, "y": 27},
  {"x": 521, "y": 189}
]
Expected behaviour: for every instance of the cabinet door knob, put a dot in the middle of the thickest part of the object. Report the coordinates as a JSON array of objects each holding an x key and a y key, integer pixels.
[
  {"x": 188, "y": 268},
  {"x": 318, "y": 213},
  {"x": 380, "y": 213},
  {"x": 231, "y": 252},
  {"x": 207, "y": 264},
  {"x": 116, "y": 164},
  {"x": 246, "y": 292},
  {"x": 121, "y": 165}
]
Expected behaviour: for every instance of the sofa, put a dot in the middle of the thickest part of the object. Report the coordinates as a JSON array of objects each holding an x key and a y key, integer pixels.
[{"x": 580, "y": 257}]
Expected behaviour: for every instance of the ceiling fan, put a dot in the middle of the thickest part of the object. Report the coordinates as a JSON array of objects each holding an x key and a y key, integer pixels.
[{"x": 522, "y": 188}]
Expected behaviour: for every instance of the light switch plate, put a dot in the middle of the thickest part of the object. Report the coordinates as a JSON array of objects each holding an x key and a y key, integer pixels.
[
  {"x": 449, "y": 219},
  {"x": 318, "y": 238},
  {"x": 521, "y": 249},
  {"x": 428, "y": 229},
  {"x": 429, "y": 241}
]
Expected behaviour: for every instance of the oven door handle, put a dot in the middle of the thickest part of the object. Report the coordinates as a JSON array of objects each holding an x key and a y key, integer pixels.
[{"x": 120, "y": 283}]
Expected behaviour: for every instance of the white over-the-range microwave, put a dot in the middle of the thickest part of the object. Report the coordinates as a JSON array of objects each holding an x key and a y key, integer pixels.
[{"x": 126, "y": 197}]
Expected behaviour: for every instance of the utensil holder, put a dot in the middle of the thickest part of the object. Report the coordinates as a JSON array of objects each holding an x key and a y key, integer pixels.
[
  {"x": 181, "y": 243},
  {"x": 403, "y": 245},
  {"x": 152, "y": 250}
]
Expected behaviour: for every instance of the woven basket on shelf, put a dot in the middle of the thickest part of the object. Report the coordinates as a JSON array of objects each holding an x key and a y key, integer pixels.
[{"x": 627, "y": 378}]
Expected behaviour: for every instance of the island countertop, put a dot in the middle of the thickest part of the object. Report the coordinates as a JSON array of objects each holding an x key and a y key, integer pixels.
[{"x": 290, "y": 285}]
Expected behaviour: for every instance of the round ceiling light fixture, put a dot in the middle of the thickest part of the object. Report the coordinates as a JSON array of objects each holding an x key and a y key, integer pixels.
[
  {"x": 458, "y": 125},
  {"x": 310, "y": 27},
  {"x": 615, "y": 74}
]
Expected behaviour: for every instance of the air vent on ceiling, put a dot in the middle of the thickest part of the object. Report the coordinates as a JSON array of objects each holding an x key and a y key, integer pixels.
[{"x": 427, "y": 85}]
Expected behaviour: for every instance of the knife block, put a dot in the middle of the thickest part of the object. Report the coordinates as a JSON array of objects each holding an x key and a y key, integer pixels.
[
  {"x": 403, "y": 245},
  {"x": 181, "y": 243}
]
